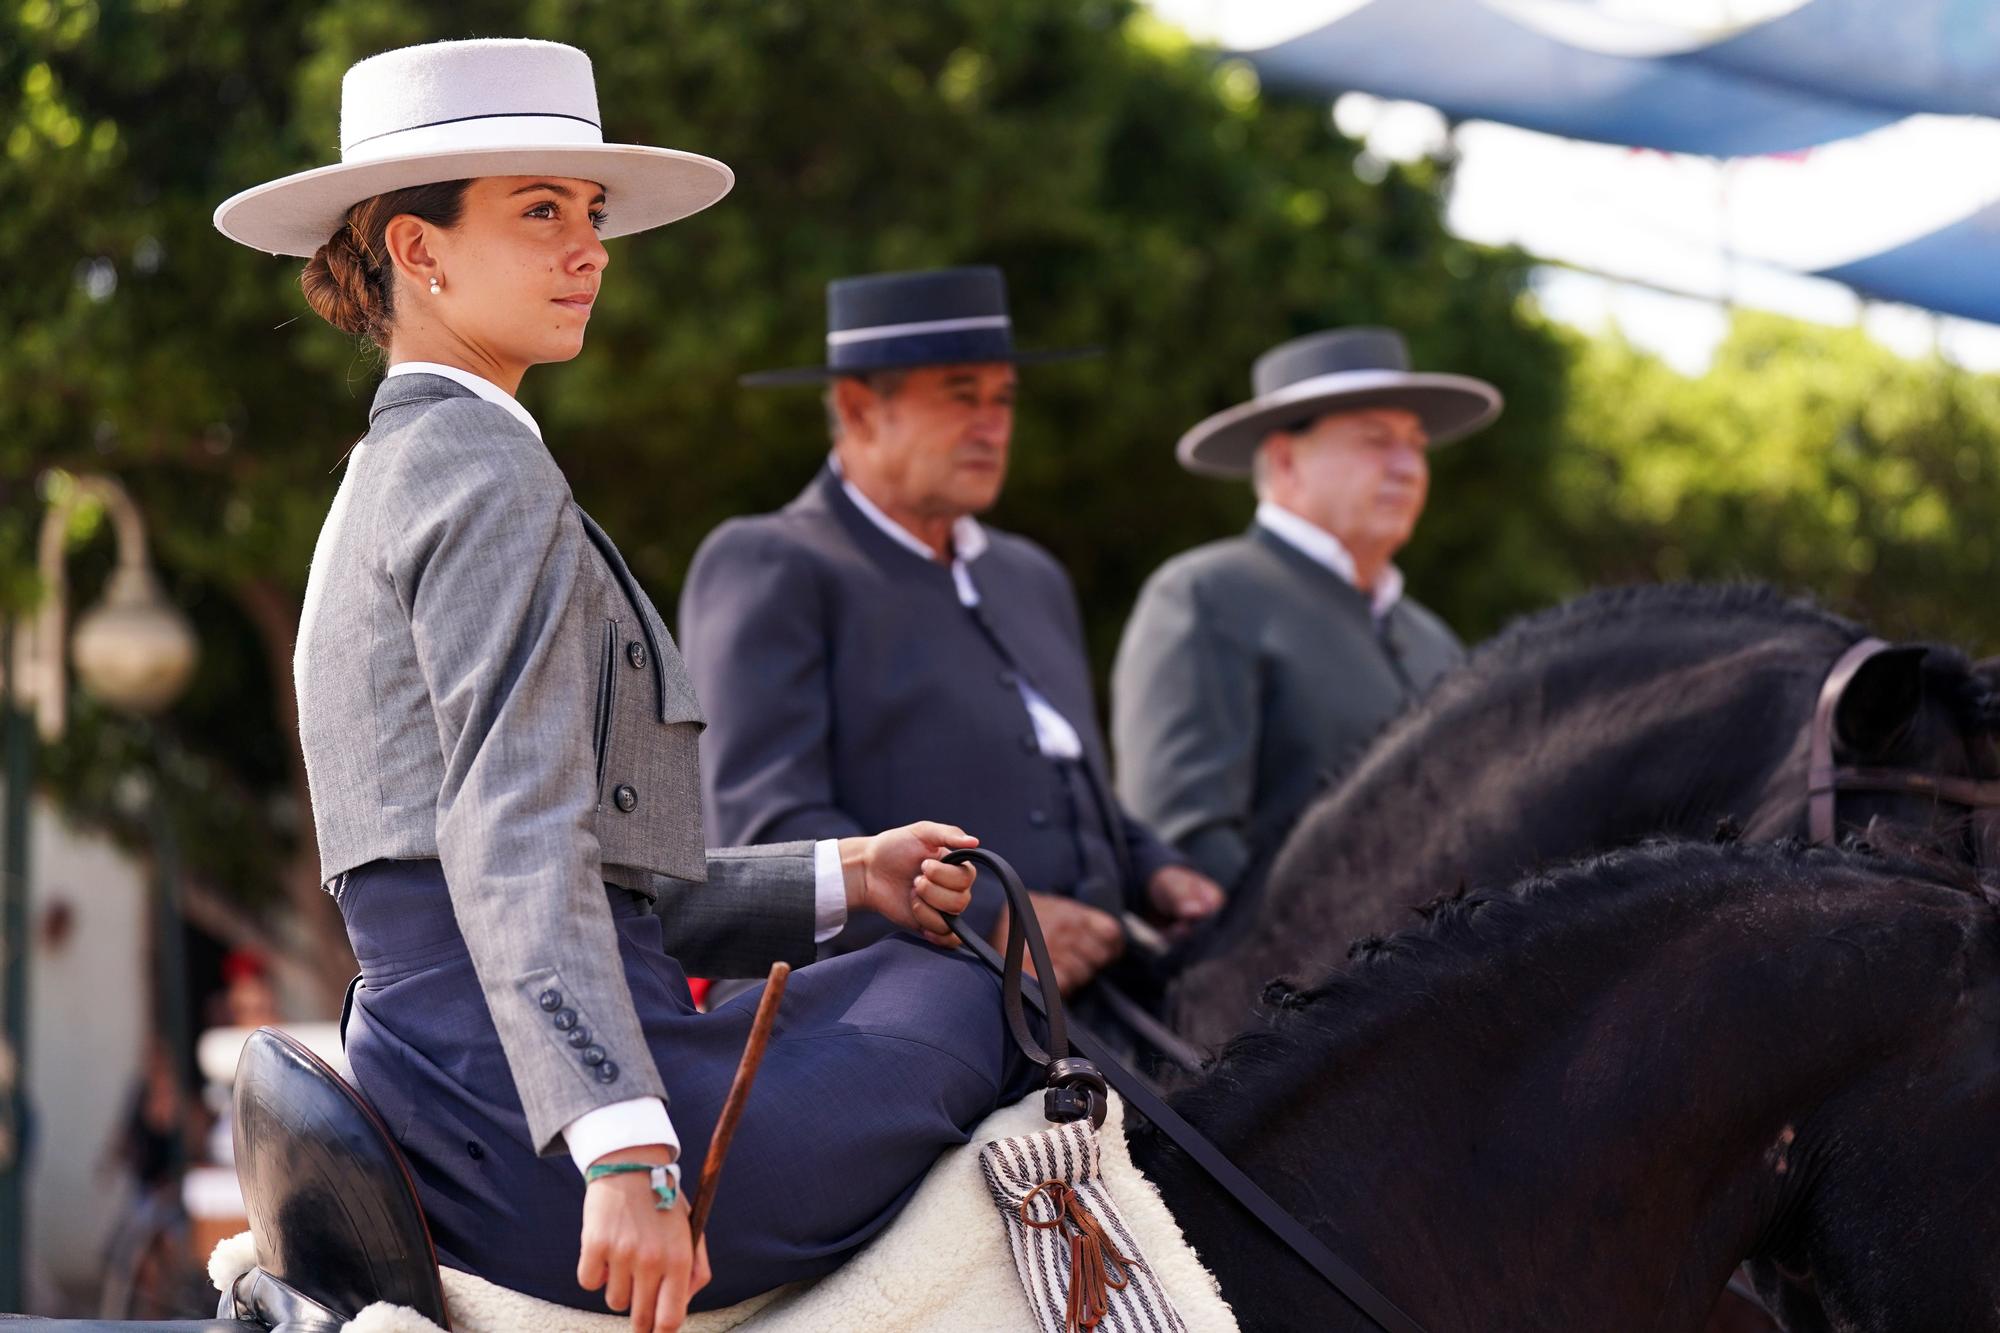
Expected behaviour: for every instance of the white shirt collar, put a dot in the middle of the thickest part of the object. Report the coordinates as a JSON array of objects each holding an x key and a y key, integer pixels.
[
  {"x": 480, "y": 385},
  {"x": 968, "y": 538},
  {"x": 1322, "y": 547},
  {"x": 1054, "y": 735}
]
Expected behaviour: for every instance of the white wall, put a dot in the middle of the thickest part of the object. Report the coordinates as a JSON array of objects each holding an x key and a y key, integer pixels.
[{"x": 86, "y": 1025}]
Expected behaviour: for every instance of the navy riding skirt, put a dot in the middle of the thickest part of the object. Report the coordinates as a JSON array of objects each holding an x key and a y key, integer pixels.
[{"x": 881, "y": 1060}]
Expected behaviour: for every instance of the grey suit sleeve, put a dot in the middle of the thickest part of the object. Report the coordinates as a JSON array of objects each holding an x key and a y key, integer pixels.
[
  {"x": 757, "y": 908},
  {"x": 753, "y": 629},
  {"x": 1148, "y": 855},
  {"x": 487, "y": 556},
  {"x": 1184, "y": 722}
]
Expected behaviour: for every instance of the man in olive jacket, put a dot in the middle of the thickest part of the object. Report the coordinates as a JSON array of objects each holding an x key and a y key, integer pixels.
[
  {"x": 1255, "y": 669},
  {"x": 872, "y": 646}
]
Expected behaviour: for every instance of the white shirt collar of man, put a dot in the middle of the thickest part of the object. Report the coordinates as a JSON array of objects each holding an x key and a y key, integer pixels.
[
  {"x": 1322, "y": 547},
  {"x": 1054, "y": 734},
  {"x": 968, "y": 538},
  {"x": 480, "y": 385}
]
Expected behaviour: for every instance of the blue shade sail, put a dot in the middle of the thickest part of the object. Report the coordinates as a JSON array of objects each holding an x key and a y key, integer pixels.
[
  {"x": 1954, "y": 270},
  {"x": 1472, "y": 62},
  {"x": 1905, "y": 56}
]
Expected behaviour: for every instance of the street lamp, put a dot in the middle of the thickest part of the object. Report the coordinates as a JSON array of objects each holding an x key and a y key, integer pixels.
[{"x": 135, "y": 652}]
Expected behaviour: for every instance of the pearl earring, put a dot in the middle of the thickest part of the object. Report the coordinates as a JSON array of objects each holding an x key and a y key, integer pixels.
[{"x": 435, "y": 287}]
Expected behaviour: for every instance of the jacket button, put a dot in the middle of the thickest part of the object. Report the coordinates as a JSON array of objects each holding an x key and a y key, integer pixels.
[
  {"x": 635, "y": 653},
  {"x": 1039, "y": 818},
  {"x": 1029, "y": 745},
  {"x": 565, "y": 1019},
  {"x": 1007, "y": 680},
  {"x": 626, "y": 797},
  {"x": 579, "y": 1037},
  {"x": 550, "y": 1000},
  {"x": 593, "y": 1055},
  {"x": 607, "y": 1072}
]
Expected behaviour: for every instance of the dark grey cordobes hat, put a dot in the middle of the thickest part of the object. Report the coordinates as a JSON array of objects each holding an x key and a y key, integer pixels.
[
  {"x": 929, "y": 317},
  {"x": 1341, "y": 370}
]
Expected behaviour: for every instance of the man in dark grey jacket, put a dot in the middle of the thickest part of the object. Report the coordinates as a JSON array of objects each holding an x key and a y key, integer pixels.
[
  {"x": 1256, "y": 668},
  {"x": 873, "y": 647}
]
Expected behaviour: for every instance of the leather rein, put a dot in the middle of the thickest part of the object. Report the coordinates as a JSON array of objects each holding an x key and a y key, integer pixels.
[
  {"x": 1076, "y": 1088},
  {"x": 1825, "y": 780}
]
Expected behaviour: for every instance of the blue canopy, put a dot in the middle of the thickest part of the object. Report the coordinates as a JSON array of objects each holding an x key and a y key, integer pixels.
[
  {"x": 1472, "y": 62},
  {"x": 1954, "y": 270},
  {"x": 1897, "y": 55},
  {"x": 1827, "y": 70}
]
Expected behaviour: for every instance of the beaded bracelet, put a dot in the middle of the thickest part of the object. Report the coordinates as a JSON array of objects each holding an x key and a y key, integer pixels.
[{"x": 666, "y": 1179}]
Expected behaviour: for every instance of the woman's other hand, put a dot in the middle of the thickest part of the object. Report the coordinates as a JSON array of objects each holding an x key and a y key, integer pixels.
[
  {"x": 639, "y": 1254},
  {"x": 897, "y": 873}
]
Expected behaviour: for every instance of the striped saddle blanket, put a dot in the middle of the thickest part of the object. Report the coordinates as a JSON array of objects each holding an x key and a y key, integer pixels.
[{"x": 905, "y": 1281}]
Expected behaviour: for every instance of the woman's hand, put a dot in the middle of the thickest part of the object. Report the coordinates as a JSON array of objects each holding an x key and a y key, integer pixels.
[
  {"x": 897, "y": 874},
  {"x": 638, "y": 1254}
]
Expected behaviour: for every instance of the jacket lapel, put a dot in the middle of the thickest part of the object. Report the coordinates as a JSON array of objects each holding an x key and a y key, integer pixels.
[
  {"x": 1351, "y": 603},
  {"x": 673, "y": 689}
]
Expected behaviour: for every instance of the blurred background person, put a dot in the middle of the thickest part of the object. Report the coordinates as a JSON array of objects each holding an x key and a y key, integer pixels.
[
  {"x": 873, "y": 647},
  {"x": 1255, "y": 668}
]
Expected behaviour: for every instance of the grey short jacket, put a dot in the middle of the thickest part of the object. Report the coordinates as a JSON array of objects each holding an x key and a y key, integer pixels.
[
  {"x": 1248, "y": 677},
  {"x": 480, "y": 679}
]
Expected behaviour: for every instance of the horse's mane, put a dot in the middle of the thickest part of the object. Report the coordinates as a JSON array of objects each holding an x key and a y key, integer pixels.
[
  {"x": 1476, "y": 929},
  {"x": 1657, "y": 620},
  {"x": 1650, "y": 610}
]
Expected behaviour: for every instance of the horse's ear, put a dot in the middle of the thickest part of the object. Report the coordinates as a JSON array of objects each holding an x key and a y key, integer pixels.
[
  {"x": 1986, "y": 671},
  {"x": 1881, "y": 702}
]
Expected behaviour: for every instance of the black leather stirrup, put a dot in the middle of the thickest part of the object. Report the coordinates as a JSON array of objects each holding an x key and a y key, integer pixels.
[
  {"x": 332, "y": 1207},
  {"x": 1098, "y": 1062}
]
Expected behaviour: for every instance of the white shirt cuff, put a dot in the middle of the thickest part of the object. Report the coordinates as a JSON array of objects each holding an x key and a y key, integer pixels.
[
  {"x": 628, "y": 1124},
  {"x": 829, "y": 890}
]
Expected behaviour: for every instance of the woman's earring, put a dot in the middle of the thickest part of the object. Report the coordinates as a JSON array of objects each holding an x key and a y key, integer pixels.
[{"x": 436, "y": 287}]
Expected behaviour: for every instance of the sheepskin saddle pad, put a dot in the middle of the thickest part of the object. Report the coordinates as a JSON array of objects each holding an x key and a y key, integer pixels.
[{"x": 971, "y": 1284}]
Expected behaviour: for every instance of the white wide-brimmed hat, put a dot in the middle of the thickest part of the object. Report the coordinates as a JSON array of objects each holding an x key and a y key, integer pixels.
[
  {"x": 1341, "y": 370},
  {"x": 457, "y": 110}
]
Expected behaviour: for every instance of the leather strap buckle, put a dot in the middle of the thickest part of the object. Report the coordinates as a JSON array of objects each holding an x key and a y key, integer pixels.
[{"x": 1076, "y": 1088}]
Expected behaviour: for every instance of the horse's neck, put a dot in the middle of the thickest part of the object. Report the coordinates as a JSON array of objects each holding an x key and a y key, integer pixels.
[
  {"x": 1587, "y": 1136},
  {"x": 1498, "y": 775},
  {"x": 1539, "y": 771}
]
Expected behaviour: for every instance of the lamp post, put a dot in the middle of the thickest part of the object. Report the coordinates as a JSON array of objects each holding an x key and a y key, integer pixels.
[{"x": 135, "y": 652}]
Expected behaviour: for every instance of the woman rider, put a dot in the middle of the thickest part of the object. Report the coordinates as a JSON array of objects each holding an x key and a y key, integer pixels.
[{"x": 500, "y": 739}]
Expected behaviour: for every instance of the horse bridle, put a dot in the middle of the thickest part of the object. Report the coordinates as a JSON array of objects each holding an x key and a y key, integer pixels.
[
  {"x": 1825, "y": 780},
  {"x": 1076, "y": 1088}
]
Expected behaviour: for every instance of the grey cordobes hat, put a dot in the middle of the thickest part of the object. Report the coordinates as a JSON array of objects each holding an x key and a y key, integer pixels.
[{"x": 1340, "y": 370}]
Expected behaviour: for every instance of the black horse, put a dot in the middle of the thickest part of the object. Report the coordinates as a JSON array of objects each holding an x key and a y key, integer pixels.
[
  {"x": 1573, "y": 1105},
  {"x": 1623, "y": 715},
  {"x": 1579, "y": 1104}
]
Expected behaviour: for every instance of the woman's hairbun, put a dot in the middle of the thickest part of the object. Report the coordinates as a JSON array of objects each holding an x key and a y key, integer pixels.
[
  {"x": 338, "y": 287},
  {"x": 349, "y": 281}
]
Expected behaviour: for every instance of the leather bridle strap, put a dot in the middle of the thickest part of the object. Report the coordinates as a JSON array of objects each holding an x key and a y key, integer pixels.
[
  {"x": 1825, "y": 781},
  {"x": 1354, "y": 1288},
  {"x": 1821, "y": 779}
]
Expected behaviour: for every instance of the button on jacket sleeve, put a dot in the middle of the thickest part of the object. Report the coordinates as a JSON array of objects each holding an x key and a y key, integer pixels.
[{"x": 487, "y": 557}]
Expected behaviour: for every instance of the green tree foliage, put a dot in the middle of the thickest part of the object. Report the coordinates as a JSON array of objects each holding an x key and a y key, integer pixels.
[{"x": 1809, "y": 457}]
